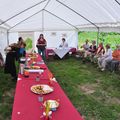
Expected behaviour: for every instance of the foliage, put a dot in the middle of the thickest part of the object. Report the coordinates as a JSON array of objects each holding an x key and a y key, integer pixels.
[
  {"x": 111, "y": 38},
  {"x": 28, "y": 42}
]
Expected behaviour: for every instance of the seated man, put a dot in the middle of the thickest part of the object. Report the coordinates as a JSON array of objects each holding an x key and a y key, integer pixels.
[
  {"x": 85, "y": 46},
  {"x": 64, "y": 44},
  {"x": 116, "y": 59},
  {"x": 104, "y": 59}
]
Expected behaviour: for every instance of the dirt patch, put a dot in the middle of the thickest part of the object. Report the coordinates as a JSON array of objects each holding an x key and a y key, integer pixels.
[
  {"x": 9, "y": 93},
  {"x": 1, "y": 118},
  {"x": 88, "y": 88},
  {"x": 113, "y": 101}
]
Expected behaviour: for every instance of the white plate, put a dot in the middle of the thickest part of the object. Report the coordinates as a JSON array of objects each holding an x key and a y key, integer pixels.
[
  {"x": 36, "y": 70},
  {"x": 45, "y": 89},
  {"x": 22, "y": 59}
]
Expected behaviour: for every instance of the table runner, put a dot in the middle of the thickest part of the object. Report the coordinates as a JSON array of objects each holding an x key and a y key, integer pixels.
[{"x": 27, "y": 107}]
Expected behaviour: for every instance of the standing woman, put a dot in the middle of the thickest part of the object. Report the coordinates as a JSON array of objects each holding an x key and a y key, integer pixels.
[{"x": 41, "y": 45}]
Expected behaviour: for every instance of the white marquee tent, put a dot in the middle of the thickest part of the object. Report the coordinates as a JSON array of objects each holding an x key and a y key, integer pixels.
[{"x": 56, "y": 16}]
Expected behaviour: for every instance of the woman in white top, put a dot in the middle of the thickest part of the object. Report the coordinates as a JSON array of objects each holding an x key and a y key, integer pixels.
[
  {"x": 102, "y": 61},
  {"x": 64, "y": 44}
]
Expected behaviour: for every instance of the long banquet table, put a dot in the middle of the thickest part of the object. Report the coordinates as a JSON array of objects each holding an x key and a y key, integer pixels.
[{"x": 27, "y": 107}]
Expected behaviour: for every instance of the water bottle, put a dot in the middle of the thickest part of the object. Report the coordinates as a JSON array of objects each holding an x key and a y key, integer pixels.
[{"x": 21, "y": 69}]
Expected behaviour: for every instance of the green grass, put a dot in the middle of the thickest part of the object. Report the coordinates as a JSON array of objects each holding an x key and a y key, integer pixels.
[
  {"x": 7, "y": 87},
  {"x": 78, "y": 79},
  {"x": 95, "y": 95}
]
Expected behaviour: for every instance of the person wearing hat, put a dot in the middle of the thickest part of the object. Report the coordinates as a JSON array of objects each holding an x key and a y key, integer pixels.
[{"x": 116, "y": 59}]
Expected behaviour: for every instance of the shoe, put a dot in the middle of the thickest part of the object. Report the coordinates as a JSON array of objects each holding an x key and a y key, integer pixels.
[{"x": 102, "y": 69}]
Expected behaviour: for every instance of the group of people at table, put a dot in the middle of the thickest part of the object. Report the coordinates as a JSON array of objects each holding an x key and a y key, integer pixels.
[
  {"x": 17, "y": 50},
  {"x": 105, "y": 57}
]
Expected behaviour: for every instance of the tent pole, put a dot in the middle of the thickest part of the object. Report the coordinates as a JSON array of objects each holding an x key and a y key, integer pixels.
[
  {"x": 47, "y": 4},
  {"x": 22, "y": 12},
  {"x": 78, "y": 14},
  {"x": 43, "y": 21},
  {"x": 117, "y": 2},
  {"x": 98, "y": 33},
  {"x": 7, "y": 37}
]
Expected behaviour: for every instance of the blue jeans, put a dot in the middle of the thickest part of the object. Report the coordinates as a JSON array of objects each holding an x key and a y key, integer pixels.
[{"x": 42, "y": 53}]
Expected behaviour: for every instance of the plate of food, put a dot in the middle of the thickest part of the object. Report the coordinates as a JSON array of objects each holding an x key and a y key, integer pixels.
[
  {"x": 22, "y": 59},
  {"x": 41, "y": 89},
  {"x": 53, "y": 104},
  {"x": 35, "y": 67}
]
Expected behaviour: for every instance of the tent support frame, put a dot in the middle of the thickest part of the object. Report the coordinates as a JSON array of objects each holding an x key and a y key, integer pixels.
[
  {"x": 24, "y": 20},
  {"x": 8, "y": 37},
  {"x": 77, "y": 13},
  {"x": 22, "y": 12},
  {"x": 98, "y": 33},
  {"x": 61, "y": 19},
  {"x": 82, "y": 17},
  {"x": 42, "y": 20},
  {"x": 117, "y": 2}
]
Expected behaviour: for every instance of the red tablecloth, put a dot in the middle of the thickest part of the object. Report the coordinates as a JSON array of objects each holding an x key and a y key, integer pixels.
[{"x": 27, "y": 107}]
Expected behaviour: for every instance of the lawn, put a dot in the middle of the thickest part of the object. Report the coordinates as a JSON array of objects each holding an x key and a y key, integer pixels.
[
  {"x": 94, "y": 94},
  {"x": 7, "y": 88}
]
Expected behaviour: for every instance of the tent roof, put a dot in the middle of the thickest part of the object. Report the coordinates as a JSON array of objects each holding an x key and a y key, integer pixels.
[{"x": 35, "y": 15}]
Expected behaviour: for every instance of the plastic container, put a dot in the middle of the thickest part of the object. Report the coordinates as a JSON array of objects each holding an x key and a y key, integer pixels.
[{"x": 22, "y": 69}]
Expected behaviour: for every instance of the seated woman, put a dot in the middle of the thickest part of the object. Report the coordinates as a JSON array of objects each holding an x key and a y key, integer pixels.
[
  {"x": 104, "y": 59},
  {"x": 64, "y": 44},
  {"x": 99, "y": 52},
  {"x": 92, "y": 50}
]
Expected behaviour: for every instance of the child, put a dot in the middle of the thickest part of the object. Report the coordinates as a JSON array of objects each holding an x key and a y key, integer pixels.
[{"x": 22, "y": 51}]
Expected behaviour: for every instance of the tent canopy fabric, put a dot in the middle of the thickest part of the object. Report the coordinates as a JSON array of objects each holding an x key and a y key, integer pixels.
[{"x": 37, "y": 15}]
